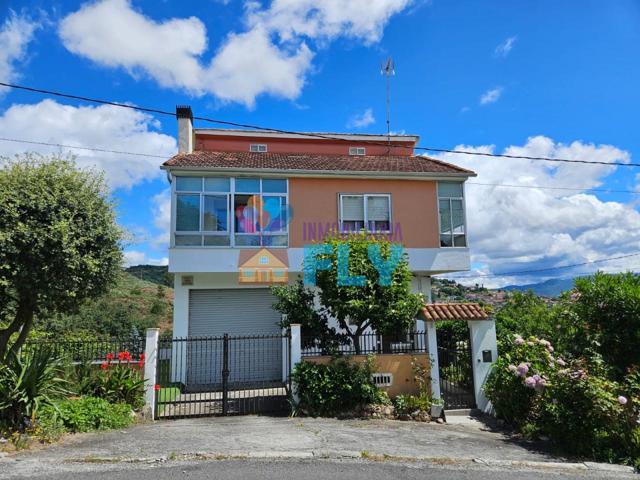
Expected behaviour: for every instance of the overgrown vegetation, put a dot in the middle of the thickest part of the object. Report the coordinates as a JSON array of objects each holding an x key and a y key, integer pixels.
[
  {"x": 336, "y": 388},
  {"x": 584, "y": 394},
  {"x": 82, "y": 415},
  {"x": 43, "y": 395},
  {"x": 128, "y": 308}
]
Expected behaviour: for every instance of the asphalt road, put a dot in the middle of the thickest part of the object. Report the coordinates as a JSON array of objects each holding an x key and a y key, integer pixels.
[{"x": 315, "y": 469}]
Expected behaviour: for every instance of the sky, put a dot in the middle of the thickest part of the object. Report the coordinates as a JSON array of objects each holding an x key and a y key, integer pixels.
[{"x": 543, "y": 78}]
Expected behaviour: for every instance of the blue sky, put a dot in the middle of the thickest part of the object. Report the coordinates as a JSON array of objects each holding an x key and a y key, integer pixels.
[{"x": 545, "y": 77}]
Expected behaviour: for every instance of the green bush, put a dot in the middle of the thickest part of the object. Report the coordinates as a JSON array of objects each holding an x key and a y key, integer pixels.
[
  {"x": 407, "y": 404},
  {"x": 337, "y": 387},
  {"x": 574, "y": 403},
  {"x": 27, "y": 383},
  {"x": 84, "y": 415},
  {"x": 117, "y": 383}
]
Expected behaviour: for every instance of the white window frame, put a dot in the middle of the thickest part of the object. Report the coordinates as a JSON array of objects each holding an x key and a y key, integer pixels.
[
  {"x": 231, "y": 217},
  {"x": 258, "y": 148},
  {"x": 464, "y": 217},
  {"x": 365, "y": 196},
  {"x": 357, "y": 151}
]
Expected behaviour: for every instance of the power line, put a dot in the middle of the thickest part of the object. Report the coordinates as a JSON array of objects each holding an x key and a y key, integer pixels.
[
  {"x": 586, "y": 189},
  {"x": 316, "y": 135},
  {"x": 78, "y": 147},
  {"x": 123, "y": 152},
  {"x": 549, "y": 269}
]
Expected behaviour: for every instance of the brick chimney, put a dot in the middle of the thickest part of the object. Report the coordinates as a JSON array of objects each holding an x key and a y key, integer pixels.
[{"x": 185, "y": 128}]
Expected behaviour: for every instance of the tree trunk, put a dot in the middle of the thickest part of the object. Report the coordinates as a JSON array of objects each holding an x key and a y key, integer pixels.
[{"x": 22, "y": 322}]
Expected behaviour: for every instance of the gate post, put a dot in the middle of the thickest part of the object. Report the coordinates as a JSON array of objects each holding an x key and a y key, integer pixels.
[
  {"x": 484, "y": 352},
  {"x": 296, "y": 354},
  {"x": 150, "y": 371},
  {"x": 225, "y": 373},
  {"x": 432, "y": 348}
]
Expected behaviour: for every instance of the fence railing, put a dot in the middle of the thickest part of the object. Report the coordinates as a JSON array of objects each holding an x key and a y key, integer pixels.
[
  {"x": 85, "y": 351},
  {"x": 369, "y": 343}
]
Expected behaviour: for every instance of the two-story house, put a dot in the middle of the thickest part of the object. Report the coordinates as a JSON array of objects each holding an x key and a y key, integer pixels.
[{"x": 222, "y": 182}]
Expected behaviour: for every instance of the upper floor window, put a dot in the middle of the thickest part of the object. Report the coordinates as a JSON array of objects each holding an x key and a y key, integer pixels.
[
  {"x": 258, "y": 147},
  {"x": 357, "y": 151},
  {"x": 451, "y": 211},
  {"x": 370, "y": 212},
  {"x": 223, "y": 212}
]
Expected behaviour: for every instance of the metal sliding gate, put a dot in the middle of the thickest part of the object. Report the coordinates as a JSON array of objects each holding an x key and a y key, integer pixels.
[
  {"x": 456, "y": 369},
  {"x": 225, "y": 375}
]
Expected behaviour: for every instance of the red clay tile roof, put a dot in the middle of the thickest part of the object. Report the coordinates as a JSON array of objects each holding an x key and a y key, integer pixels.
[
  {"x": 453, "y": 311},
  {"x": 314, "y": 162}
]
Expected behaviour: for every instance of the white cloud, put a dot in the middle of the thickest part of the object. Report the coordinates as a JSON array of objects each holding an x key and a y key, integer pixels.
[
  {"x": 362, "y": 120},
  {"x": 505, "y": 47},
  {"x": 104, "y": 126},
  {"x": 515, "y": 229},
  {"x": 15, "y": 35},
  {"x": 270, "y": 57},
  {"x": 161, "y": 207},
  {"x": 136, "y": 257},
  {"x": 491, "y": 96}
]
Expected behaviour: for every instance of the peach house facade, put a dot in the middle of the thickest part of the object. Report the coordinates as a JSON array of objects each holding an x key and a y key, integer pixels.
[{"x": 309, "y": 184}]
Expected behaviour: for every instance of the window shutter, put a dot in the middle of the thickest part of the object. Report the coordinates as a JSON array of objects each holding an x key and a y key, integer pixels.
[
  {"x": 352, "y": 208},
  {"x": 378, "y": 208}
]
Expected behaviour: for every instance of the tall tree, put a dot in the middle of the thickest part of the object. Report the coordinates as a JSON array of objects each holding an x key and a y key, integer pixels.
[
  {"x": 59, "y": 241},
  {"x": 356, "y": 293}
]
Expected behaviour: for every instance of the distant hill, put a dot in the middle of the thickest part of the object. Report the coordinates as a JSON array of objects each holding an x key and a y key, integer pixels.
[
  {"x": 549, "y": 288},
  {"x": 132, "y": 304},
  {"x": 152, "y": 273}
]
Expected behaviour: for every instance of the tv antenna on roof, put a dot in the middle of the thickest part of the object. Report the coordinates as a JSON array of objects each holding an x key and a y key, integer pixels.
[{"x": 388, "y": 69}]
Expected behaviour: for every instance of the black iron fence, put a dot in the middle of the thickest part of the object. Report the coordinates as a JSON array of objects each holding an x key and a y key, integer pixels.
[
  {"x": 368, "y": 343},
  {"x": 204, "y": 376},
  {"x": 88, "y": 351}
]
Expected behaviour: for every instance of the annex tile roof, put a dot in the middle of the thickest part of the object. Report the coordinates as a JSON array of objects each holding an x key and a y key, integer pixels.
[
  {"x": 314, "y": 163},
  {"x": 453, "y": 311}
]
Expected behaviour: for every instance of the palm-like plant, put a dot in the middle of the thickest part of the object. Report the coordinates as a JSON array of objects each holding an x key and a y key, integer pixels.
[{"x": 29, "y": 381}]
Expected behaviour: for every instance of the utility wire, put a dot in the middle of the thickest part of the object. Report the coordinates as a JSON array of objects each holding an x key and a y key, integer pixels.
[
  {"x": 317, "y": 135},
  {"x": 586, "y": 189},
  {"x": 93, "y": 149},
  {"x": 122, "y": 152},
  {"x": 540, "y": 270}
]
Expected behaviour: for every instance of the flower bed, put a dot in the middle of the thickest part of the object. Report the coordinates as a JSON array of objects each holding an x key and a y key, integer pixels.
[{"x": 571, "y": 401}]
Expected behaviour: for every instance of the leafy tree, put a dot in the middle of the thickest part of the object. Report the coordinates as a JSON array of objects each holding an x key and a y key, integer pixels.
[
  {"x": 59, "y": 241},
  {"x": 526, "y": 314},
  {"x": 384, "y": 308},
  {"x": 298, "y": 303},
  {"x": 603, "y": 316}
]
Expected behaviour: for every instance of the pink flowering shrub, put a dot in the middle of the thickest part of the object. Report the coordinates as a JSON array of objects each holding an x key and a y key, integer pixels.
[{"x": 571, "y": 401}]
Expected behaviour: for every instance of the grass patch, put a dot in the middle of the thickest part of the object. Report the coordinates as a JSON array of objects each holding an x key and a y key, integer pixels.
[{"x": 166, "y": 395}]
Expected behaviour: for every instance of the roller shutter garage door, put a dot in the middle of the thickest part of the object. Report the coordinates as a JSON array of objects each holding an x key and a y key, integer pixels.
[{"x": 253, "y": 362}]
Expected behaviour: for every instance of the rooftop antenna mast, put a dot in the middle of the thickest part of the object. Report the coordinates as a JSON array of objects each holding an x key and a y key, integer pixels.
[{"x": 388, "y": 69}]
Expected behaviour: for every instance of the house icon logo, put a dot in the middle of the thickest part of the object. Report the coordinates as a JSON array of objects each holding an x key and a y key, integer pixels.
[{"x": 263, "y": 266}]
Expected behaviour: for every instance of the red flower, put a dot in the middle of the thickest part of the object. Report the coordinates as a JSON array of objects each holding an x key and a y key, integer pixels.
[
  {"x": 124, "y": 356},
  {"x": 110, "y": 356},
  {"x": 142, "y": 357},
  {"x": 104, "y": 365},
  {"x": 156, "y": 387},
  {"x": 141, "y": 363}
]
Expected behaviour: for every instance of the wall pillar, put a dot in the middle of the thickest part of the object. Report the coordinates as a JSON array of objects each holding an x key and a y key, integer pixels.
[
  {"x": 295, "y": 354},
  {"x": 432, "y": 347},
  {"x": 150, "y": 364},
  {"x": 484, "y": 352}
]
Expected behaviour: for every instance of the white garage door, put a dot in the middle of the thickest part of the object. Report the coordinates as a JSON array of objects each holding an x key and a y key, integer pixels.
[{"x": 255, "y": 360}]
